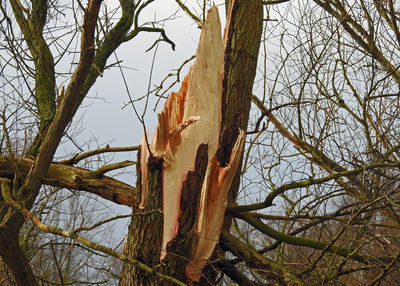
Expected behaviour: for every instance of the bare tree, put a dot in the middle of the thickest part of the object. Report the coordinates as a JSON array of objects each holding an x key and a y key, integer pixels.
[
  {"x": 32, "y": 109},
  {"x": 321, "y": 149},
  {"x": 314, "y": 199}
]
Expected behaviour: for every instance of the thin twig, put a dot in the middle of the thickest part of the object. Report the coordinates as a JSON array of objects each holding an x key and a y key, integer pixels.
[
  {"x": 110, "y": 167},
  {"x": 191, "y": 15},
  {"x": 78, "y": 157}
]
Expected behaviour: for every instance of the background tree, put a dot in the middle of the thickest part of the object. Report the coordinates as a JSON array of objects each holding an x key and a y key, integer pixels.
[
  {"x": 318, "y": 198},
  {"x": 34, "y": 94},
  {"x": 323, "y": 154}
]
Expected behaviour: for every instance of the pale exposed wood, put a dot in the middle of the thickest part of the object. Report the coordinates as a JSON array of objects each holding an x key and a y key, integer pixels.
[
  {"x": 212, "y": 208},
  {"x": 144, "y": 172},
  {"x": 192, "y": 117},
  {"x": 198, "y": 102}
]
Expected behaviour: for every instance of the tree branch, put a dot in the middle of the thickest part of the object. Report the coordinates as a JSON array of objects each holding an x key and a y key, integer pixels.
[
  {"x": 191, "y": 15},
  {"x": 256, "y": 261},
  {"x": 359, "y": 34},
  {"x": 79, "y": 157},
  {"x": 67, "y": 109},
  {"x": 303, "y": 184},
  {"x": 274, "y": 2},
  {"x": 307, "y": 242},
  {"x": 75, "y": 178},
  {"x": 110, "y": 167},
  {"x": 32, "y": 29}
]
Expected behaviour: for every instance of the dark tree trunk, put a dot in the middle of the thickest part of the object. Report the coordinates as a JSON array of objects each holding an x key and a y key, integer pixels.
[
  {"x": 145, "y": 231},
  {"x": 15, "y": 259},
  {"x": 242, "y": 57},
  {"x": 10, "y": 250}
]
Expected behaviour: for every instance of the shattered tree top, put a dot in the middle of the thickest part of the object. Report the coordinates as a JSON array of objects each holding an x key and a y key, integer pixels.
[{"x": 192, "y": 117}]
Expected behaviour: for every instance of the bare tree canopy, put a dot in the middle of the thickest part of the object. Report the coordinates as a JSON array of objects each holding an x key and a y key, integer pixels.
[{"x": 275, "y": 161}]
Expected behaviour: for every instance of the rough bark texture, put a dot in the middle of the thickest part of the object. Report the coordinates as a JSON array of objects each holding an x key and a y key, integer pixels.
[
  {"x": 241, "y": 59},
  {"x": 75, "y": 178},
  {"x": 14, "y": 257},
  {"x": 10, "y": 250},
  {"x": 145, "y": 230},
  {"x": 241, "y": 54}
]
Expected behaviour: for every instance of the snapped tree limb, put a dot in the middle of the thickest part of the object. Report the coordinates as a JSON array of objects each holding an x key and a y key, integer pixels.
[{"x": 191, "y": 121}]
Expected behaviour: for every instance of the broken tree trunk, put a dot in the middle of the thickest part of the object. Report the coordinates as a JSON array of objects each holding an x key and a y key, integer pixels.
[
  {"x": 186, "y": 173},
  {"x": 242, "y": 48}
]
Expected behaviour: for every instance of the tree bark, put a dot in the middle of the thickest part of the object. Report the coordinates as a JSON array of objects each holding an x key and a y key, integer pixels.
[
  {"x": 75, "y": 178},
  {"x": 241, "y": 66},
  {"x": 241, "y": 54},
  {"x": 15, "y": 258},
  {"x": 10, "y": 250},
  {"x": 54, "y": 121},
  {"x": 145, "y": 231}
]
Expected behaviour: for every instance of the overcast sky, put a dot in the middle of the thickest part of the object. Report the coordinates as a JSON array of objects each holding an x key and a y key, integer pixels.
[{"x": 104, "y": 118}]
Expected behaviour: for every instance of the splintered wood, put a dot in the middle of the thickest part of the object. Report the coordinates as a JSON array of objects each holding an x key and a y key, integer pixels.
[{"x": 192, "y": 117}]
